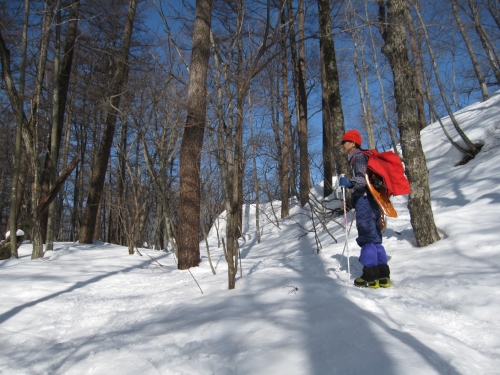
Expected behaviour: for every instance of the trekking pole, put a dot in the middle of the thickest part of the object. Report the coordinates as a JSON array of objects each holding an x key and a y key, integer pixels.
[
  {"x": 343, "y": 250},
  {"x": 346, "y": 232}
]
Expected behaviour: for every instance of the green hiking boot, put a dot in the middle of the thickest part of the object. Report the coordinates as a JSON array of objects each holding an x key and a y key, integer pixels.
[
  {"x": 362, "y": 283},
  {"x": 384, "y": 282}
]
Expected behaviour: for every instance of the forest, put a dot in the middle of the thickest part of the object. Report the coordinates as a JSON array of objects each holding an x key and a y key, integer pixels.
[{"x": 139, "y": 122}]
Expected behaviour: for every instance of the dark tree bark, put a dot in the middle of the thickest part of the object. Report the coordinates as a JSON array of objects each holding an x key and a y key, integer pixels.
[
  {"x": 305, "y": 178},
  {"x": 334, "y": 160},
  {"x": 101, "y": 161},
  {"x": 285, "y": 163},
  {"x": 299, "y": 84},
  {"x": 394, "y": 33},
  {"x": 189, "y": 205},
  {"x": 16, "y": 191}
]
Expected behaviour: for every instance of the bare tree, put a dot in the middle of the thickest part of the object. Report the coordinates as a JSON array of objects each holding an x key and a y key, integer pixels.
[
  {"x": 31, "y": 128},
  {"x": 394, "y": 34},
  {"x": 485, "y": 41},
  {"x": 334, "y": 159},
  {"x": 472, "y": 149},
  {"x": 493, "y": 7},
  {"x": 19, "y": 124},
  {"x": 417, "y": 63},
  {"x": 120, "y": 76},
  {"x": 470, "y": 49},
  {"x": 299, "y": 84},
  {"x": 286, "y": 159},
  {"x": 361, "y": 70},
  {"x": 188, "y": 238},
  {"x": 390, "y": 127},
  {"x": 305, "y": 176},
  {"x": 62, "y": 73}
]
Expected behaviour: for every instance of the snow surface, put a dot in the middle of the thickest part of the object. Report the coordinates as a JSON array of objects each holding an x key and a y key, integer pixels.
[{"x": 94, "y": 309}]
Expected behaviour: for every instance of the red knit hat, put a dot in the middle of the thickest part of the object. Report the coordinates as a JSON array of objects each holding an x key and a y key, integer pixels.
[{"x": 353, "y": 136}]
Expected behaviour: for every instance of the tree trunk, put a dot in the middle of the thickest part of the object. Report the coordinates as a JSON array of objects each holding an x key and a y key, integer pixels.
[
  {"x": 305, "y": 183},
  {"x": 294, "y": 154},
  {"x": 472, "y": 148},
  {"x": 192, "y": 142},
  {"x": 419, "y": 203},
  {"x": 101, "y": 161},
  {"x": 417, "y": 65},
  {"x": 285, "y": 164},
  {"x": 32, "y": 135},
  {"x": 334, "y": 160},
  {"x": 60, "y": 95},
  {"x": 390, "y": 128},
  {"x": 327, "y": 145},
  {"x": 18, "y": 142},
  {"x": 299, "y": 87},
  {"x": 255, "y": 176},
  {"x": 55, "y": 135}
]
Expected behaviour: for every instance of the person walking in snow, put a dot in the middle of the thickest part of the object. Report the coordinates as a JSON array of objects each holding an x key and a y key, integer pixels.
[{"x": 373, "y": 257}]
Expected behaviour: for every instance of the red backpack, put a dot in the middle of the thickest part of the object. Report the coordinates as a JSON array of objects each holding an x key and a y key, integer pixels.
[{"x": 389, "y": 167}]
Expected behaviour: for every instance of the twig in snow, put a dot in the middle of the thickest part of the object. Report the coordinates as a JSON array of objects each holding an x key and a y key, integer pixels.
[
  {"x": 294, "y": 289},
  {"x": 189, "y": 273},
  {"x": 158, "y": 264}
]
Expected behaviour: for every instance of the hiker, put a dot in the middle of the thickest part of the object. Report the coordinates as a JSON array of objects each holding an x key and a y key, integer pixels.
[{"x": 372, "y": 256}]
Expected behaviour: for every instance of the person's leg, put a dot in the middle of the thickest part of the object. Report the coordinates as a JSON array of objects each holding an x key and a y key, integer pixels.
[
  {"x": 368, "y": 258},
  {"x": 367, "y": 221},
  {"x": 384, "y": 271},
  {"x": 376, "y": 235},
  {"x": 372, "y": 256}
]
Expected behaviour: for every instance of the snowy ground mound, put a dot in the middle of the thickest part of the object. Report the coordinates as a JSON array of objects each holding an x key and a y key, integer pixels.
[{"x": 95, "y": 309}]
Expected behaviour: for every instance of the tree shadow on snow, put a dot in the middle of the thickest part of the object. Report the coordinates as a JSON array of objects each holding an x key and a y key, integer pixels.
[{"x": 317, "y": 330}]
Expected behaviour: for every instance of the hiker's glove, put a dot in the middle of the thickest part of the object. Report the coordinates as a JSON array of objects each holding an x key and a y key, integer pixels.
[{"x": 344, "y": 182}]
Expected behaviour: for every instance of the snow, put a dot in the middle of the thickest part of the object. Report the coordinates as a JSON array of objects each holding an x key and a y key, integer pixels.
[
  {"x": 94, "y": 309},
  {"x": 19, "y": 233}
]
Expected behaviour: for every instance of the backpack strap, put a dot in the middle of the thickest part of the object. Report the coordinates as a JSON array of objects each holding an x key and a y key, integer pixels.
[{"x": 368, "y": 153}]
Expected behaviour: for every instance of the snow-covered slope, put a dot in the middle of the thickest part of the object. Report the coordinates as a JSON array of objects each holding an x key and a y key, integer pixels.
[{"x": 93, "y": 309}]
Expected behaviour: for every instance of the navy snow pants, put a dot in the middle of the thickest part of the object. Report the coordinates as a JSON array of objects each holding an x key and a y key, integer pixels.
[{"x": 369, "y": 231}]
